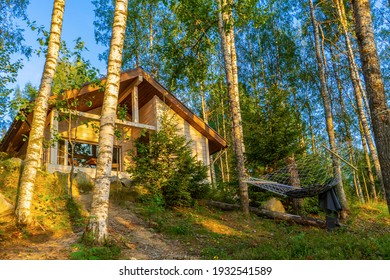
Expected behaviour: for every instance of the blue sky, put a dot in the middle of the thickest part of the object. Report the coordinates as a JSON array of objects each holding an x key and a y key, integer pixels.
[{"x": 78, "y": 22}]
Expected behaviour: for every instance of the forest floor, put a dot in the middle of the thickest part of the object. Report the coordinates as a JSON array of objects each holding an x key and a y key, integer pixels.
[
  {"x": 148, "y": 231},
  {"x": 132, "y": 234}
]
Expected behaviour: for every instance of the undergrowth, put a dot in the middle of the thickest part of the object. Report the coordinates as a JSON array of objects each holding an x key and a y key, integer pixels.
[
  {"x": 214, "y": 234},
  {"x": 52, "y": 210}
]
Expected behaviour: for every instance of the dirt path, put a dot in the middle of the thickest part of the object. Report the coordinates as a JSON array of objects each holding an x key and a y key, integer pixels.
[
  {"x": 131, "y": 233},
  {"x": 140, "y": 242}
]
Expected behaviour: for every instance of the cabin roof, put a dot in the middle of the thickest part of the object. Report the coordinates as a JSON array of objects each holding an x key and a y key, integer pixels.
[{"x": 147, "y": 89}]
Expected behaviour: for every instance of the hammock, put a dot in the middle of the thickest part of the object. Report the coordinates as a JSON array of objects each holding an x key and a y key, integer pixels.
[{"x": 290, "y": 191}]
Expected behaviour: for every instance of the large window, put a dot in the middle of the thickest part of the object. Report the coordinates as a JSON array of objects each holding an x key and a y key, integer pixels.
[{"x": 84, "y": 155}]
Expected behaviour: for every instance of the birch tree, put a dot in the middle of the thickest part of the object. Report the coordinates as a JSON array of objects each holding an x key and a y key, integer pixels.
[
  {"x": 97, "y": 227},
  {"x": 328, "y": 110},
  {"x": 379, "y": 109},
  {"x": 226, "y": 31},
  {"x": 357, "y": 86},
  {"x": 35, "y": 140}
]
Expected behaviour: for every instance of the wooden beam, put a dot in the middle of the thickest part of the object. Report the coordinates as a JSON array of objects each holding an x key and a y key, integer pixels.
[
  {"x": 333, "y": 153},
  {"x": 129, "y": 89},
  {"x": 126, "y": 123},
  {"x": 134, "y": 124}
]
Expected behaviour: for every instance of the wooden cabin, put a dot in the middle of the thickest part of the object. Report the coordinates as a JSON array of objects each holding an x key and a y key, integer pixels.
[{"x": 145, "y": 99}]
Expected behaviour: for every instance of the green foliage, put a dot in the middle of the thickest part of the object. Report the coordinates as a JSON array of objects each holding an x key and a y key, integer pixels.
[
  {"x": 12, "y": 12},
  {"x": 164, "y": 165},
  {"x": 225, "y": 192},
  {"x": 73, "y": 70},
  {"x": 272, "y": 130},
  {"x": 77, "y": 219},
  {"x": 3, "y": 156},
  {"x": 85, "y": 252},
  {"x": 22, "y": 103}
]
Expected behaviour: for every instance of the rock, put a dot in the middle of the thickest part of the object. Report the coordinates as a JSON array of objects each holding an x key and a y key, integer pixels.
[
  {"x": 83, "y": 182},
  {"x": 126, "y": 181},
  {"x": 6, "y": 208},
  {"x": 274, "y": 204}
]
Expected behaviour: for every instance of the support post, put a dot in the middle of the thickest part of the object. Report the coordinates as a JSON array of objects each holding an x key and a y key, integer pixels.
[
  {"x": 134, "y": 103},
  {"x": 53, "y": 129}
]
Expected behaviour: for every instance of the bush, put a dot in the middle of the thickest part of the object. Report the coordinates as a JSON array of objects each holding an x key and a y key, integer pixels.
[
  {"x": 227, "y": 192},
  {"x": 164, "y": 165}
]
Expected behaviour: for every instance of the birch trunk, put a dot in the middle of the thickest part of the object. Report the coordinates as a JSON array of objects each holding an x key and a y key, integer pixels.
[
  {"x": 357, "y": 86},
  {"x": 35, "y": 140},
  {"x": 368, "y": 162},
  {"x": 328, "y": 113},
  {"x": 97, "y": 224},
  {"x": 226, "y": 31},
  {"x": 348, "y": 134},
  {"x": 380, "y": 114}
]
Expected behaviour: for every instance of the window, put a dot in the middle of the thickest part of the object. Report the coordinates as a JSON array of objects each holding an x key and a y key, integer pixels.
[{"x": 84, "y": 155}]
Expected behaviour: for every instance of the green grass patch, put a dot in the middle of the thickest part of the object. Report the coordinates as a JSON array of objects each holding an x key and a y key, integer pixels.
[
  {"x": 214, "y": 234},
  {"x": 85, "y": 252}
]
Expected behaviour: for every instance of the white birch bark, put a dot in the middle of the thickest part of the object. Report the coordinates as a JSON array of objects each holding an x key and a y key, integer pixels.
[
  {"x": 226, "y": 30},
  {"x": 328, "y": 113},
  {"x": 32, "y": 161},
  {"x": 97, "y": 228}
]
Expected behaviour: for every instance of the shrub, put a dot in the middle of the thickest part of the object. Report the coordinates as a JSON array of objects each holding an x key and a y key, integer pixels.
[{"x": 164, "y": 165}]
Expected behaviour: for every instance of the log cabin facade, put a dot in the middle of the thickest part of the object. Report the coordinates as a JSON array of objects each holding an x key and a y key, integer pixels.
[{"x": 145, "y": 101}]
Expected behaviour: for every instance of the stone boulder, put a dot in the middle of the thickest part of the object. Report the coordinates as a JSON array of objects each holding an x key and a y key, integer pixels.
[
  {"x": 84, "y": 182},
  {"x": 274, "y": 204}
]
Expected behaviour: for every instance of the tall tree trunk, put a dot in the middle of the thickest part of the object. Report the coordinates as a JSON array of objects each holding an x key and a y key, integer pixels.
[
  {"x": 294, "y": 181},
  {"x": 357, "y": 86},
  {"x": 368, "y": 163},
  {"x": 226, "y": 31},
  {"x": 227, "y": 173},
  {"x": 345, "y": 120},
  {"x": 97, "y": 224},
  {"x": 35, "y": 140},
  {"x": 151, "y": 40},
  {"x": 328, "y": 113},
  {"x": 380, "y": 114}
]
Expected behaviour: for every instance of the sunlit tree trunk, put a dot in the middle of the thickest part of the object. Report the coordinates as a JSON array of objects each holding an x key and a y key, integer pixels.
[
  {"x": 97, "y": 227},
  {"x": 328, "y": 112},
  {"x": 368, "y": 163},
  {"x": 357, "y": 86},
  {"x": 226, "y": 31},
  {"x": 35, "y": 140},
  {"x": 380, "y": 114}
]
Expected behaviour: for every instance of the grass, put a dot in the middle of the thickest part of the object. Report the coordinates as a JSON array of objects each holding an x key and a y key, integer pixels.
[
  {"x": 51, "y": 208},
  {"x": 208, "y": 232},
  {"x": 214, "y": 234},
  {"x": 81, "y": 251}
]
